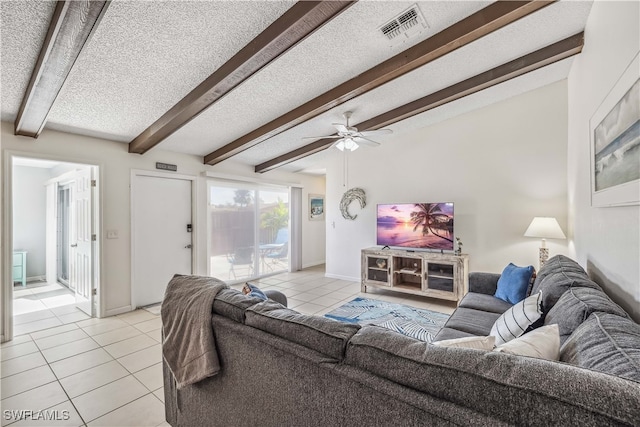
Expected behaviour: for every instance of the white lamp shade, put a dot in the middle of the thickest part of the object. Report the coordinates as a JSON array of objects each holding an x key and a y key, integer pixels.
[{"x": 545, "y": 228}]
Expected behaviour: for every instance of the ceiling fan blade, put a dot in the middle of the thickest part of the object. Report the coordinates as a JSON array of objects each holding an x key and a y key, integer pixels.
[
  {"x": 322, "y": 137},
  {"x": 340, "y": 127},
  {"x": 376, "y": 132},
  {"x": 366, "y": 141}
]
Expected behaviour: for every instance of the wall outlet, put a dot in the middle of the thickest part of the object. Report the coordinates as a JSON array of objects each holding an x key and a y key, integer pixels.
[{"x": 112, "y": 234}]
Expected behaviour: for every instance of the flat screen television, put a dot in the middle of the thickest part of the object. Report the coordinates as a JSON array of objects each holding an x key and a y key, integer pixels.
[{"x": 416, "y": 225}]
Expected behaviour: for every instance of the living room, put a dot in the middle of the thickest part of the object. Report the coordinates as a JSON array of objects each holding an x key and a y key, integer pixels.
[
  {"x": 535, "y": 144},
  {"x": 501, "y": 162}
]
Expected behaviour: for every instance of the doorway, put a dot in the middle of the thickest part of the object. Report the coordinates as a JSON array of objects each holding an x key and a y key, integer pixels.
[
  {"x": 162, "y": 230},
  {"x": 51, "y": 233},
  {"x": 63, "y": 232}
]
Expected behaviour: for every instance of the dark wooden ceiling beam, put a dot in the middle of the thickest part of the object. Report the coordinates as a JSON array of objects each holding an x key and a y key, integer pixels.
[
  {"x": 475, "y": 26},
  {"x": 72, "y": 25},
  {"x": 530, "y": 62},
  {"x": 297, "y": 23}
]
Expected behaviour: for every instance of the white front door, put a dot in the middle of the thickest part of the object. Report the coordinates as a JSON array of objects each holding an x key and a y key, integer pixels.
[
  {"x": 161, "y": 242},
  {"x": 82, "y": 232}
]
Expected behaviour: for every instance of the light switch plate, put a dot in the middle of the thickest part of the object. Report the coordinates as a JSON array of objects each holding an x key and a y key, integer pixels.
[{"x": 112, "y": 234}]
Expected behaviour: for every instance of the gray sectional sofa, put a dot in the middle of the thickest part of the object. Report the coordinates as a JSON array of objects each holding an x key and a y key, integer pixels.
[{"x": 283, "y": 368}]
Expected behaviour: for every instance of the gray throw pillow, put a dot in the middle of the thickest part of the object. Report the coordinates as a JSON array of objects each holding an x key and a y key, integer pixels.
[
  {"x": 605, "y": 343},
  {"x": 576, "y": 305},
  {"x": 558, "y": 275}
]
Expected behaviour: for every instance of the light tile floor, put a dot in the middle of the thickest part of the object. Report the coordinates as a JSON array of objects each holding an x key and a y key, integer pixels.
[
  {"x": 40, "y": 305},
  {"x": 108, "y": 372}
]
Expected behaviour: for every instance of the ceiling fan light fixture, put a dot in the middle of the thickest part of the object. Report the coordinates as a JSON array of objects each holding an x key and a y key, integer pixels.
[{"x": 347, "y": 144}]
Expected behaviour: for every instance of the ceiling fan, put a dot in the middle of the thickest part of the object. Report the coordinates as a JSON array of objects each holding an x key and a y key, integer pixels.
[{"x": 349, "y": 138}]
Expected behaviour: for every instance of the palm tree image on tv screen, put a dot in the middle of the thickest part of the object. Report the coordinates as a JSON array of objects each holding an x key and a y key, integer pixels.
[{"x": 416, "y": 225}]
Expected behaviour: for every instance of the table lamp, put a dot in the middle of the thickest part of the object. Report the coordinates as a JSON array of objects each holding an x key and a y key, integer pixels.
[{"x": 545, "y": 228}]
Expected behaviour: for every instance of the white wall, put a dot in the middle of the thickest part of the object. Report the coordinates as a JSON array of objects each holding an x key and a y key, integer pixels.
[
  {"x": 29, "y": 216},
  {"x": 116, "y": 164},
  {"x": 501, "y": 166},
  {"x": 607, "y": 240},
  {"x": 313, "y": 232}
]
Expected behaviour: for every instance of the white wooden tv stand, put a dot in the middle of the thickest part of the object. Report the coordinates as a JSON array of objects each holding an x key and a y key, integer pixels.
[{"x": 431, "y": 274}]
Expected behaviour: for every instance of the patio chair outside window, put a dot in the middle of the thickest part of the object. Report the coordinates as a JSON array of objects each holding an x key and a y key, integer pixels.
[{"x": 242, "y": 256}]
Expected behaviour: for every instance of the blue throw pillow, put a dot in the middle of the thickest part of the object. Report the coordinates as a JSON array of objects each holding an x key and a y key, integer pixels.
[
  {"x": 253, "y": 291},
  {"x": 513, "y": 283}
]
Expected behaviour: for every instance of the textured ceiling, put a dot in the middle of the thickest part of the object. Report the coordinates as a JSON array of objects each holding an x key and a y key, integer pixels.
[{"x": 146, "y": 56}]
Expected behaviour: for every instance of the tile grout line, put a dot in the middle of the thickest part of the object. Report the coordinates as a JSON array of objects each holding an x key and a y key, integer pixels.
[
  {"x": 296, "y": 284},
  {"x": 58, "y": 379}
]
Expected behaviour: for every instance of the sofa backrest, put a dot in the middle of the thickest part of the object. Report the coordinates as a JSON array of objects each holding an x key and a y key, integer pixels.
[
  {"x": 232, "y": 303},
  {"x": 558, "y": 275},
  {"x": 326, "y": 336},
  {"x": 518, "y": 390}
]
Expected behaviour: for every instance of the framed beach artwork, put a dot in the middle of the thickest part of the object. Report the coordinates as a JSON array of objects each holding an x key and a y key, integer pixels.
[
  {"x": 615, "y": 143},
  {"x": 316, "y": 207}
]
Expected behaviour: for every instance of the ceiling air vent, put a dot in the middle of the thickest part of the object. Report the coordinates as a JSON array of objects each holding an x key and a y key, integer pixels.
[{"x": 405, "y": 26}]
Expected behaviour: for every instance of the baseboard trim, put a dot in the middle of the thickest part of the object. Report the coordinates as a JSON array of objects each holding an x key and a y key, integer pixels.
[
  {"x": 119, "y": 310},
  {"x": 338, "y": 276},
  {"x": 313, "y": 264}
]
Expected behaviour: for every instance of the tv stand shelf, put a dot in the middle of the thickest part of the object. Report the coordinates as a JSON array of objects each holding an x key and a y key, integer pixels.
[{"x": 431, "y": 274}]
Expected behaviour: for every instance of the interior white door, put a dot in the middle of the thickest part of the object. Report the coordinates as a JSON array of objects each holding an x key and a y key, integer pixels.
[
  {"x": 51, "y": 240},
  {"x": 161, "y": 241},
  {"x": 82, "y": 231}
]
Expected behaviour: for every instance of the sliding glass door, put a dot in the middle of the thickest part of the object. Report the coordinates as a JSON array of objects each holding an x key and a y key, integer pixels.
[{"x": 249, "y": 230}]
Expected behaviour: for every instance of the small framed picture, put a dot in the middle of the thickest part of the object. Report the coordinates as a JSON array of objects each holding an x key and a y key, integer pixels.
[{"x": 316, "y": 207}]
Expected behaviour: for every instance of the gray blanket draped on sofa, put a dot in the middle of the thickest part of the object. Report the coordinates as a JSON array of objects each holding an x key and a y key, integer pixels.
[{"x": 188, "y": 345}]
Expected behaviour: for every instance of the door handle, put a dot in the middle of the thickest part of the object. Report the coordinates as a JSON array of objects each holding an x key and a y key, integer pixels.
[
  {"x": 188, "y": 247},
  {"x": 75, "y": 245}
]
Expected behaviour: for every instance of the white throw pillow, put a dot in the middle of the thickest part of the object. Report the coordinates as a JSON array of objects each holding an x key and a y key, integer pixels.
[
  {"x": 543, "y": 343},
  {"x": 479, "y": 343},
  {"x": 517, "y": 319}
]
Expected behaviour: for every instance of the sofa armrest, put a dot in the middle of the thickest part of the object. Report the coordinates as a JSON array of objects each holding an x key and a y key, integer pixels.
[
  {"x": 483, "y": 283},
  {"x": 277, "y": 296}
]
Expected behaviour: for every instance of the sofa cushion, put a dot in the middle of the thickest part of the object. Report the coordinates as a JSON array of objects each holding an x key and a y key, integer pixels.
[
  {"x": 473, "y": 321},
  {"x": 513, "y": 283},
  {"x": 317, "y": 333},
  {"x": 484, "y": 302},
  {"x": 516, "y": 320},
  {"x": 575, "y": 306},
  {"x": 558, "y": 275},
  {"x": 232, "y": 304},
  {"x": 541, "y": 343},
  {"x": 448, "y": 334},
  {"x": 607, "y": 343}
]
